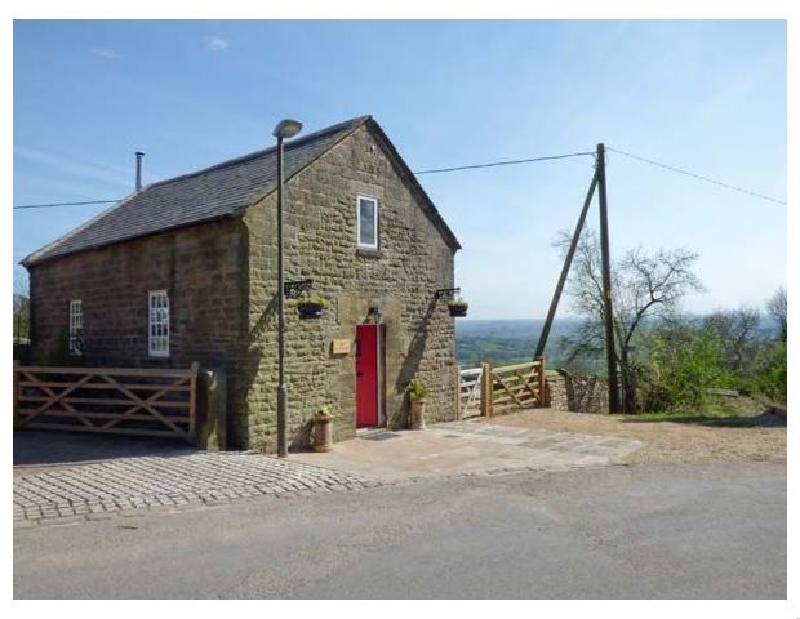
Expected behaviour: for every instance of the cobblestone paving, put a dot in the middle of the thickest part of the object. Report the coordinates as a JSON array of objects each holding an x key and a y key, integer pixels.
[
  {"x": 180, "y": 480},
  {"x": 116, "y": 486}
]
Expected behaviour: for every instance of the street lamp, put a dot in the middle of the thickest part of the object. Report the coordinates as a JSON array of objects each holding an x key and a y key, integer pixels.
[{"x": 283, "y": 130}]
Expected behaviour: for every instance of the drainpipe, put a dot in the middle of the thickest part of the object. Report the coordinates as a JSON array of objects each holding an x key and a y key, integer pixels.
[{"x": 139, "y": 156}]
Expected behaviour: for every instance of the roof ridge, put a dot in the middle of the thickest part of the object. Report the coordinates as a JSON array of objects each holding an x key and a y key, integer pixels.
[
  {"x": 266, "y": 151},
  {"x": 223, "y": 190}
]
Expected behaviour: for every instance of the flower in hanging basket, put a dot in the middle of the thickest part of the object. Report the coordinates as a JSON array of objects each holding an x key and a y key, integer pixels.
[
  {"x": 458, "y": 307},
  {"x": 311, "y": 306}
]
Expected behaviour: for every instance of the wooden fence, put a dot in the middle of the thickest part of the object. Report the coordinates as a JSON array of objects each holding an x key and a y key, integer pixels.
[
  {"x": 488, "y": 390},
  {"x": 144, "y": 402}
]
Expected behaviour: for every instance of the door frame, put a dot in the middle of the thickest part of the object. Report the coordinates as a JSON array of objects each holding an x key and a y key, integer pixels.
[{"x": 379, "y": 339}]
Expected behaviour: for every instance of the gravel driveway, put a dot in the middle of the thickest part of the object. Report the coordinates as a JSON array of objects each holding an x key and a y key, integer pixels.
[{"x": 665, "y": 441}]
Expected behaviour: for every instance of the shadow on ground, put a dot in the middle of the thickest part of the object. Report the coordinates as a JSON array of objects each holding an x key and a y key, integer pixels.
[
  {"x": 46, "y": 447},
  {"x": 764, "y": 420}
]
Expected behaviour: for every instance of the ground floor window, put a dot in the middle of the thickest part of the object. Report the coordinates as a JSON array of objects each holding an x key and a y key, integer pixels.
[
  {"x": 158, "y": 340},
  {"x": 75, "y": 327}
]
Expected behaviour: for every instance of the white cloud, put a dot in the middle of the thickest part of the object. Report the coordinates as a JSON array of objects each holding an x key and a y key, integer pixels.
[
  {"x": 215, "y": 43},
  {"x": 105, "y": 54},
  {"x": 69, "y": 166}
]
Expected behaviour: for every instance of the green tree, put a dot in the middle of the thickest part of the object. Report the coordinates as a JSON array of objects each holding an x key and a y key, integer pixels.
[{"x": 683, "y": 362}]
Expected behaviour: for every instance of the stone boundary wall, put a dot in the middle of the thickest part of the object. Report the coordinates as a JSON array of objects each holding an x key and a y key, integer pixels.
[
  {"x": 557, "y": 393},
  {"x": 578, "y": 394}
]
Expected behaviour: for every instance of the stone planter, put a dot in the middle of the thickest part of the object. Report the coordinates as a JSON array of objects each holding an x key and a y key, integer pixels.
[
  {"x": 323, "y": 432},
  {"x": 310, "y": 310},
  {"x": 417, "y": 413},
  {"x": 458, "y": 310}
]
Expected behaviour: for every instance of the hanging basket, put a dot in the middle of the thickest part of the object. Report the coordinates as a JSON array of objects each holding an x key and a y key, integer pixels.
[
  {"x": 310, "y": 310},
  {"x": 459, "y": 310}
]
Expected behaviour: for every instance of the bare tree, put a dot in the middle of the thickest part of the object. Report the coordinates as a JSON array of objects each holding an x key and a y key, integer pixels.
[
  {"x": 22, "y": 304},
  {"x": 738, "y": 331},
  {"x": 776, "y": 308},
  {"x": 643, "y": 285}
]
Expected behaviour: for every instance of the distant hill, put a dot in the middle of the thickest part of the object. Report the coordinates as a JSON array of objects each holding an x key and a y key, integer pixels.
[{"x": 502, "y": 342}]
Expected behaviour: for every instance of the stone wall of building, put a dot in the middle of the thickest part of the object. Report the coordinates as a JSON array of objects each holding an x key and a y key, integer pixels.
[
  {"x": 221, "y": 282},
  {"x": 400, "y": 278},
  {"x": 200, "y": 267}
]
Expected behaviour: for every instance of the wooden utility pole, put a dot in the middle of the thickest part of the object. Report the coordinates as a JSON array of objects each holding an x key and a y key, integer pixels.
[
  {"x": 608, "y": 311},
  {"x": 551, "y": 313}
]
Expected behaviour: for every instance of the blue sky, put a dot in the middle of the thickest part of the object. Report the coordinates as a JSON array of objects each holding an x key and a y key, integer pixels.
[{"x": 709, "y": 96}]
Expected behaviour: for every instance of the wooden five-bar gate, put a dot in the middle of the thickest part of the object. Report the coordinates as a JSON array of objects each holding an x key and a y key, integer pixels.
[
  {"x": 488, "y": 390},
  {"x": 144, "y": 402}
]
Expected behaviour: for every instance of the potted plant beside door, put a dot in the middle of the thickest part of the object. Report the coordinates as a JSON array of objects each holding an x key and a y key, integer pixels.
[{"x": 417, "y": 396}]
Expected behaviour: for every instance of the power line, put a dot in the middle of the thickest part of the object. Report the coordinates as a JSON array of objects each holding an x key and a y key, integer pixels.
[
  {"x": 495, "y": 164},
  {"x": 697, "y": 176},
  {"x": 499, "y": 163},
  {"x": 435, "y": 171},
  {"x": 26, "y": 206}
]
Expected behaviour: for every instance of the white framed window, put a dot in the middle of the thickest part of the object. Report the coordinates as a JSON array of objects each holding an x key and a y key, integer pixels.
[
  {"x": 76, "y": 327},
  {"x": 158, "y": 327},
  {"x": 367, "y": 217}
]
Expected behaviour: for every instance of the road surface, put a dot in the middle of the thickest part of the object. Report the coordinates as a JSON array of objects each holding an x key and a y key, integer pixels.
[{"x": 642, "y": 532}]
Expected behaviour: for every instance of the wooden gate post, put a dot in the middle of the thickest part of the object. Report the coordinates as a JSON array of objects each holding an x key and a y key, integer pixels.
[
  {"x": 195, "y": 368},
  {"x": 542, "y": 382},
  {"x": 487, "y": 390}
]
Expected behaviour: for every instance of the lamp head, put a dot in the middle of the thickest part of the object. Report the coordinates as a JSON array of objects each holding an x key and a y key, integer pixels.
[{"x": 287, "y": 128}]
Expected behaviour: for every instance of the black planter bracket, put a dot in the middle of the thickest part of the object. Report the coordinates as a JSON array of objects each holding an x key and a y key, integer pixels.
[
  {"x": 293, "y": 290},
  {"x": 447, "y": 293}
]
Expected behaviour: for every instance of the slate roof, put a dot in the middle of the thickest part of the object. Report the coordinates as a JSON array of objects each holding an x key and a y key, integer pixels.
[{"x": 220, "y": 191}]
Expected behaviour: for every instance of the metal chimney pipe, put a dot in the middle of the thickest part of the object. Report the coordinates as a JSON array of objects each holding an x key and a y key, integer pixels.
[{"x": 139, "y": 156}]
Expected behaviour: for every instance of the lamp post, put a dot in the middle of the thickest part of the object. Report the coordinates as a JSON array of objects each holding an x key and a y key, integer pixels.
[{"x": 283, "y": 130}]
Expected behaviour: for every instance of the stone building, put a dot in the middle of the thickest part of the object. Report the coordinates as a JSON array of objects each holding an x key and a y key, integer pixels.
[{"x": 186, "y": 270}]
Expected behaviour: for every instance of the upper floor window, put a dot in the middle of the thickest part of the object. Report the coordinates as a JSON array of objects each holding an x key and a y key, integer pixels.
[
  {"x": 158, "y": 336},
  {"x": 75, "y": 327},
  {"x": 367, "y": 222}
]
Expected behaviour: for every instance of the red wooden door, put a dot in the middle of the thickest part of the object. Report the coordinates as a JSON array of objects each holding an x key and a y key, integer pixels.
[{"x": 366, "y": 376}]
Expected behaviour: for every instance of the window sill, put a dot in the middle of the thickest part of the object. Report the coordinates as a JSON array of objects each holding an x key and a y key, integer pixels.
[{"x": 363, "y": 252}]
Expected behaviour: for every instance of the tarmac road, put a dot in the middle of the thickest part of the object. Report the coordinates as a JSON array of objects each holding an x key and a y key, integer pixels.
[{"x": 712, "y": 531}]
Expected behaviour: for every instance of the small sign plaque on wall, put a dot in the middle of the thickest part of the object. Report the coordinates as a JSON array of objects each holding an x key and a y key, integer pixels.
[{"x": 341, "y": 347}]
